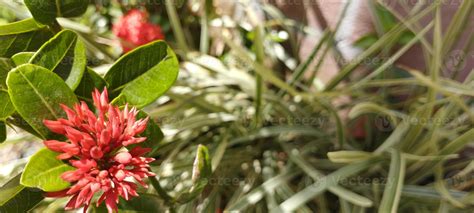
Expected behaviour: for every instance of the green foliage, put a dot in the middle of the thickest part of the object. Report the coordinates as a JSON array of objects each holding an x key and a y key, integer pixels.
[
  {"x": 44, "y": 171},
  {"x": 65, "y": 55},
  {"x": 22, "y": 58},
  {"x": 202, "y": 171},
  {"x": 143, "y": 75},
  {"x": 25, "y": 35},
  {"x": 17, "y": 198},
  {"x": 279, "y": 137},
  {"x": 46, "y": 11},
  {"x": 37, "y": 93},
  {"x": 153, "y": 135},
  {"x": 6, "y": 106}
]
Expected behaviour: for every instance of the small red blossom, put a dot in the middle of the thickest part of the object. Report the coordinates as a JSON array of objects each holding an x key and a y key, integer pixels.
[
  {"x": 95, "y": 146},
  {"x": 134, "y": 29}
]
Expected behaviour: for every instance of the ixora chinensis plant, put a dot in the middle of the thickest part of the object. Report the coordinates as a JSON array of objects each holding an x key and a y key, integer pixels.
[{"x": 97, "y": 150}]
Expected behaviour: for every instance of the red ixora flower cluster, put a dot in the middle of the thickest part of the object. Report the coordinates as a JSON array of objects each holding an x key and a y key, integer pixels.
[
  {"x": 96, "y": 148},
  {"x": 134, "y": 29}
]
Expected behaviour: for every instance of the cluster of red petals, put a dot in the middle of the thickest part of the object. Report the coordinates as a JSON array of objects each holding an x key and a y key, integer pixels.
[
  {"x": 95, "y": 146},
  {"x": 135, "y": 30}
]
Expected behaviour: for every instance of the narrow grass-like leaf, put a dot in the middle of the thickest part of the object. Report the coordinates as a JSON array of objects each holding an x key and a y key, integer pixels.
[
  {"x": 259, "y": 192},
  {"x": 348, "y": 156},
  {"x": 323, "y": 184},
  {"x": 343, "y": 193},
  {"x": 393, "y": 188}
]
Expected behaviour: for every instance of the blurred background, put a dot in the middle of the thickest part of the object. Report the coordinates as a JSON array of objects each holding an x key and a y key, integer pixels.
[{"x": 305, "y": 105}]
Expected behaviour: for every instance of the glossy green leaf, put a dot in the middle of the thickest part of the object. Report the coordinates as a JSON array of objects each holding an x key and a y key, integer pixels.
[
  {"x": 23, "y": 26},
  {"x": 21, "y": 36},
  {"x": 5, "y": 66},
  {"x": 144, "y": 74},
  {"x": 44, "y": 171},
  {"x": 37, "y": 94},
  {"x": 46, "y": 11},
  {"x": 143, "y": 203},
  {"x": 3, "y": 132},
  {"x": 6, "y": 106},
  {"x": 90, "y": 81},
  {"x": 18, "y": 121},
  {"x": 202, "y": 170},
  {"x": 65, "y": 55},
  {"x": 22, "y": 58},
  {"x": 153, "y": 135},
  {"x": 17, "y": 198}
]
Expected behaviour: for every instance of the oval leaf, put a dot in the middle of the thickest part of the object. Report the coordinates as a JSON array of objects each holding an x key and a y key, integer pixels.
[
  {"x": 37, "y": 94},
  {"x": 90, "y": 81},
  {"x": 144, "y": 74},
  {"x": 26, "y": 35},
  {"x": 46, "y": 11},
  {"x": 44, "y": 171},
  {"x": 65, "y": 55},
  {"x": 22, "y": 58}
]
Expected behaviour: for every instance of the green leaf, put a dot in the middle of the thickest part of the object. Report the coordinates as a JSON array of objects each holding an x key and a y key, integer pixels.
[
  {"x": 23, "y": 26},
  {"x": 3, "y": 132},
  {"x": 22, "y": 58},
  {"x": 406, "y": 37},
  {"x": 366, "y": 41},
  {"x": 153, "y": 135},
  {"x": 6, "y": 106},
  {"x": 202, "y": 170},
  {"x": 37, "y": 94},
  {"x": 21, "y": 36},
  {"x": 144, "y": 74},
  {"x": 18, "y": 121},
  {"x": 46, "y": 11},
  {"x": 142, "y": 203},
  {"x": 348, "y": 156},
  {"x": 65, "y": 55},
  {"x": 90, "y": 81},
  {"x": 319, "y": 187},
  {"x": 385, "y": 17},
  {"x": 44, "y": 171},
  {"x": 258, "y": 193},
  {"x": 394, "y": 186},
  {"x": 5, "y": 66},
  {"x": 17, "y": 198}
]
